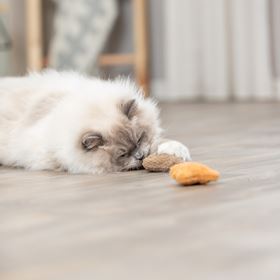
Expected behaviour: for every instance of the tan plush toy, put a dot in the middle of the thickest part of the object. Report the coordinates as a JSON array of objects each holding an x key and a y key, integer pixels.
[{"x": 185, "y": 173}]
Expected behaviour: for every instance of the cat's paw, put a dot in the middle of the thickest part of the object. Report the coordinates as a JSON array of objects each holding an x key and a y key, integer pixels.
[{"x": 176, "y": 148}]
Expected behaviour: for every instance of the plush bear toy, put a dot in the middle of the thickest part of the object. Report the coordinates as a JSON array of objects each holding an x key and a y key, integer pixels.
[{"x": 185, "y": 173}]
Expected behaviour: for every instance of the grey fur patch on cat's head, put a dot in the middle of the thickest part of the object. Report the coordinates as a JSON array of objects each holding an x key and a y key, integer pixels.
[
  {"x": 91, "y": 140},
  {"x": 128, "y": 145},
  {"x": 128, "y": 140},
  {"x": 129, "y": 108}
]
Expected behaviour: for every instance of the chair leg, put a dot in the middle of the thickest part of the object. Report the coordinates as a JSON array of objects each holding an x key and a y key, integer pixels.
[
  {"x": 140, "y": 44},
  {"x": 34, "y": 42}
]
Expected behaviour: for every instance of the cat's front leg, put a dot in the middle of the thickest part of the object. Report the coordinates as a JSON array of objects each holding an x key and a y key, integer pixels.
[{"x": 173, "y": 147}]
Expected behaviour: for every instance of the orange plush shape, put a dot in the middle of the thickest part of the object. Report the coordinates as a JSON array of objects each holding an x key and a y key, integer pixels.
[{"x": 191, "y": 173}]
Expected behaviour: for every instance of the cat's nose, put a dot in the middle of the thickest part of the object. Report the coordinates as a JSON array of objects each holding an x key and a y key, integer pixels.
[{"x": 139, "y": 155}]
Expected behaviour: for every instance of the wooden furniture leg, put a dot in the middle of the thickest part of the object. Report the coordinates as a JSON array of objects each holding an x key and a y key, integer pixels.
[
  {"x": 140, "y": 44},
  {"x": 34, "y": 44},
  {"x": 138, "y": 58}
]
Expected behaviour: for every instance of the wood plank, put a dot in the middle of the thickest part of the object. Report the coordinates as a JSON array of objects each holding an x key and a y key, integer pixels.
[
  {"x": 116, "y": 59},
  {"x": 3, "y": 8},
  {"x": 138, "y": 225}
]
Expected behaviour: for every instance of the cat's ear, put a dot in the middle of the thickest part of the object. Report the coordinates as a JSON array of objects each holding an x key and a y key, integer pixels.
[
  {"x": 91, "y": 140},
  {"x": 129, "y": 108}
]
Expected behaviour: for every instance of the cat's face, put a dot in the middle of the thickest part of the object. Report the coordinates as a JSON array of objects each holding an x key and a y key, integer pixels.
[{"x": 128, "y": 141}]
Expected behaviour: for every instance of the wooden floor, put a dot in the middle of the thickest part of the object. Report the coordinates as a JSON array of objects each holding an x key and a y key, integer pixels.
[{"x": 137, "y": 225}]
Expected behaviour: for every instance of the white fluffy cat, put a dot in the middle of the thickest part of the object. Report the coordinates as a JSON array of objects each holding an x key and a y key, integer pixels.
[{"x": 66, "y": 121}]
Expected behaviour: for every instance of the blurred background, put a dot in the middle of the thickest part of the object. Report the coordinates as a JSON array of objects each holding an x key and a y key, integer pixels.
[{"x": 206, "y": 50}]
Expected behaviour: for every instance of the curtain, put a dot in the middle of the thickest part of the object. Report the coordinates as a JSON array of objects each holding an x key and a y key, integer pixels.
[{"x": 219, "y": 50}]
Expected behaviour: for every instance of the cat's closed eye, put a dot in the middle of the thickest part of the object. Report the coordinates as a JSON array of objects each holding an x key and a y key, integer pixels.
[{"x": 122, "y": 154}]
